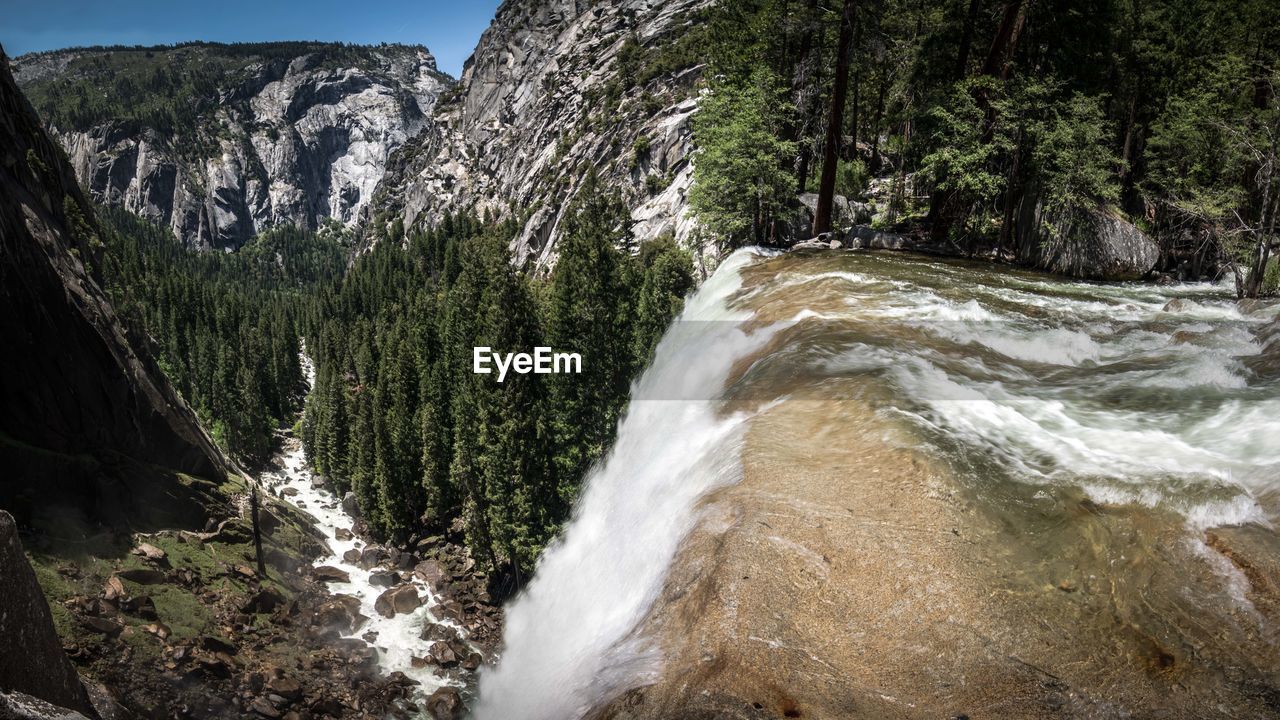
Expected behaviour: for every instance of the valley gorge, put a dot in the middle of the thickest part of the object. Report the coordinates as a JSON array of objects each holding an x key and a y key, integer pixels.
[{"x": 929, "y": 365}]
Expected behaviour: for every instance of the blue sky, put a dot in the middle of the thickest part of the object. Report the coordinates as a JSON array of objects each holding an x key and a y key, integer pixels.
[{"x": 449, "y": 29}]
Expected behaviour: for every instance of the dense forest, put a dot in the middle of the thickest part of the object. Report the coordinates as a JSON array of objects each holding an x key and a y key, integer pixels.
[
  {"x": 398, "y": 417},
  {"x": 223, "y": 326},
  {"x": 1000, "y": 125}
]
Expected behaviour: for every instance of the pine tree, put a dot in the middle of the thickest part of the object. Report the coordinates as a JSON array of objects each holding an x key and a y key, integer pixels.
[{"x": 589, "y": 313}]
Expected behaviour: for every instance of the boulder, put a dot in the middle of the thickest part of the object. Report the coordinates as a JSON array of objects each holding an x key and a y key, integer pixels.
[
  {"x": 372, "y": 556},
  {"x": 1266, "y": 364},
  {"x": 149, "y": 551},
  {"x": 403, "y": 560},
  {"x": 445, "y": 704},
  {"x": 100, "y": 625},
  {"x": 215, "y": 644},
  {"x": 21, "y": 706},
  {"x": 442, "y": 653},
  {"x": 33, "y": 661},
  {"x": 865, "y": 237},
  {"x": 384, "y": 578},
  {"x": 328, "y": 573},
  {"x": 843, "y": 213},
  {"x": 341, "y": 613},
  {"x": 141, "y": 606},
  {"x": 264, "y": 601},
  {"x": 351, "y": 556},
  {"x": 113, "y": 591},
  {"x": 143, "y": 576},
  {"x": 438, "y": 631},
  {"x": 263, "y": 707},
  {"x": 342, "y": 534},
  {"x": 285, "y": 687},
  {"x": 357, "y": 652},
  {"x": 232, "y": 532},
  {"x": 350, "y": 505},
  {"x": 399, "y": 600},
  {"x": 1093, "y": 244},
  {"x": 430, "y": 572},
  {"x": 814, "y": 244},
  {"x": 449, "y": 609}
]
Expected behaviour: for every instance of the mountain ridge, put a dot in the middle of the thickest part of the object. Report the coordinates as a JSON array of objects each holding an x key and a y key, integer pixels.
[
  {"x": 219, "y": 142},
  {"x": 552, "y": 90}
]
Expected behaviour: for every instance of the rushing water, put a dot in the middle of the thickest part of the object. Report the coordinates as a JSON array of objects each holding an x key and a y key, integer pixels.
[
  {"x": 398, "y": 639},
  {"x": 567, "y": 635},
  {"x": 1135, "y": 395}
]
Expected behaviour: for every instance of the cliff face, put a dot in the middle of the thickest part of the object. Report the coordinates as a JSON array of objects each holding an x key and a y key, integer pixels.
[
  {"x": 290, "y": 133},
  {"x": 41, "y": 669},
  {"x": 555, "y": 88},
  {"x": 91, "y": 432}
]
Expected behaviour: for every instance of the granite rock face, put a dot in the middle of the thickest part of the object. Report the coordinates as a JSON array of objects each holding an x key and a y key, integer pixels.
[
  {"x": 33, "y": 663},
  {"x": 92, "y": 432},
  {"x": 1091, "y": 244},
  {"x": 293, "y": 141},
  {"x": 547, "y": 95}
]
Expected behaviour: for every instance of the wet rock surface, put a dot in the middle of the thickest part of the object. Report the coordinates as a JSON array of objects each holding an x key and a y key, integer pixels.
[{"x": 862, "y": 568}]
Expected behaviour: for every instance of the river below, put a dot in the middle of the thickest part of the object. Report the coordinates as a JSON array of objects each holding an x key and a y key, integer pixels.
[{"x": 405, "y": 642}]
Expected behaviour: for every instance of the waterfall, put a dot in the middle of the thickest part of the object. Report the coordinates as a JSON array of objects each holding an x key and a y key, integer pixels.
[
  {"x": 1027, "y": 386},
  {"x": 568, "y": 636}
]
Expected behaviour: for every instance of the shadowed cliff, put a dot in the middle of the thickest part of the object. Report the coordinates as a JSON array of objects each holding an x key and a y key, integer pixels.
[{"x": 91, "y": 433}]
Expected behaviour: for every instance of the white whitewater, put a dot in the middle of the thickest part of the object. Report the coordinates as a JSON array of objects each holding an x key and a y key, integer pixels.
[
  {"x": 1133, "y": 392},
  {"x": 568, "y": 634},
  {"x": 398, "y": 639},
  {"x": 1113, "y": 389}
]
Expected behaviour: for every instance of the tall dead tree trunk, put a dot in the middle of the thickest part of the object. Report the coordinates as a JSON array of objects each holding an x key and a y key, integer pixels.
[
  {"x": 966, "y": 40},
  {"x": 835, "y": 123},
  {"x": 257, "y": 530}
]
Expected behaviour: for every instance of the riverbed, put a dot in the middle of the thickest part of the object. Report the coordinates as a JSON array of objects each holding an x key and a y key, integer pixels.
[{"x": 398, "y": 640}]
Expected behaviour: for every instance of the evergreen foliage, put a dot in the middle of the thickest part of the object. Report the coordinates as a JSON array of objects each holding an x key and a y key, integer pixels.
[
  {"x": 740, "y": 186},
  {"x": 1166, "y": 110},
  {"x": 399, "y": 418},
  {"x": 224, "y": 326}
]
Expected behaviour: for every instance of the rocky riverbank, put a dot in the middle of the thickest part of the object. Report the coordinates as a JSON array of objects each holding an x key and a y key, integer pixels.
[
  {"x": 184, "y": 624},
  {"x": 422, "y": 607}
]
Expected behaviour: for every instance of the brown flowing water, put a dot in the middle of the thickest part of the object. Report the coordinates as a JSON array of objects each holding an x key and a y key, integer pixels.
[{"x": 924, "y": 489}]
